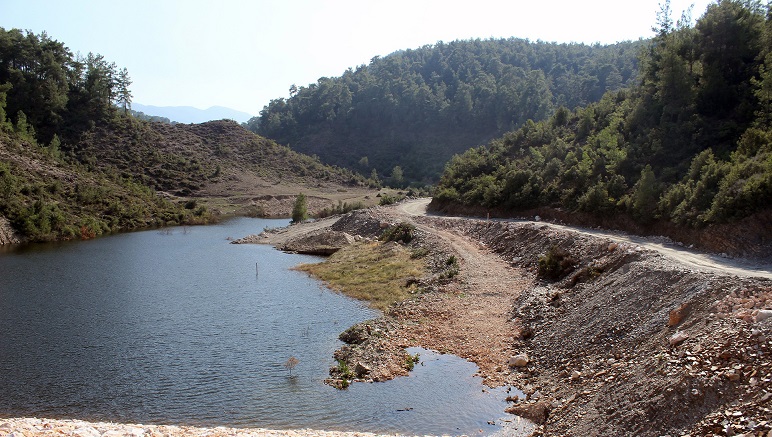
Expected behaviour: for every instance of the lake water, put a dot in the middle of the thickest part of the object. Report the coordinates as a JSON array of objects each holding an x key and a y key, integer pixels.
[{"x": 180, "y": 327}]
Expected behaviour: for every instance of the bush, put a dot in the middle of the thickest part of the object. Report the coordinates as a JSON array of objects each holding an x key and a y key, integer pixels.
[
  {"x": 451, "y": 267},
  {"x": 404, "y": 232},
  {"x": 341, "y": 208},
  {"x": 419, "y": 253},
  {"x": 387, "y": 199},
  {"x": 555, "y": 264},
  {"x": 411, "y": 361}
]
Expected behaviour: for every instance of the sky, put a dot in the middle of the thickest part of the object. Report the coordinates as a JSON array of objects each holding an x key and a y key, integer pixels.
[{"x": 241, "y": 54}]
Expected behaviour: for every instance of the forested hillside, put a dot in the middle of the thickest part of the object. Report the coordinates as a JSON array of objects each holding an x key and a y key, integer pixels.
[
  {"x": 74, "y": 162},
  {"x": 691, "y": 145},
  {"x": 416, "y": 108}
]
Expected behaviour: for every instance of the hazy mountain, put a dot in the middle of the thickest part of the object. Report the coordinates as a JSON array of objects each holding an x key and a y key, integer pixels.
[{"x": 189, "y": 114}]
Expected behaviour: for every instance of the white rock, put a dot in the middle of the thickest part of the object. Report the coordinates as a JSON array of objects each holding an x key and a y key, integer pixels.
[
  {"x": 520, "y": 360},
  {"x": 537, "y": 219},
  {"x": 86, "y": 431},
  {"x": 576, "y": 375},
  {"x": 763, "y": 315},
  {"x": 678, "y": 338},
  {"x": 135, "y": 432}
]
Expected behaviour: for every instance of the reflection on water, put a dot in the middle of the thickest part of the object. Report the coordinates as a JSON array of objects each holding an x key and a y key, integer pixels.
[{"x": 180, "y": 328}]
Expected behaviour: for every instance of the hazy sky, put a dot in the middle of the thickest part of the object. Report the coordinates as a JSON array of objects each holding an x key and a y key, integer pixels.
[{"x": 242, "y": 54}]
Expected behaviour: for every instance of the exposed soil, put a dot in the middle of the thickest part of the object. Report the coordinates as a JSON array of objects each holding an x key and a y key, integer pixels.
[{"x": 625, "y": 341}]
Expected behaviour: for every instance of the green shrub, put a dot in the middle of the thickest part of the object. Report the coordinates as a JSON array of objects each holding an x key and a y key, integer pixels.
[
  {"x": 451, "y": 267},
  {"x": 404, "y": 232},
  {"x": 555, "y": 264},
  {"x": 300, "y": 210},
  {"x": 387, "y": 199},
  {"x": 419, "y": 253},
  {"x": 411, "y": 361}
]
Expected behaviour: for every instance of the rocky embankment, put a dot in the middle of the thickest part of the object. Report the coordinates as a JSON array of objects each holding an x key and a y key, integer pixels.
[
  {"x": 624, "y": 341},
  {"x": 613, "y": 339}
]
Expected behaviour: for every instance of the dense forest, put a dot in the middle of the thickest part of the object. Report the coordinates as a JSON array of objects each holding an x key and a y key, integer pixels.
[
  {"x": 75, "y": 162},
  {"x": 690, "y": 145},
  {"x": 414, "y": 109}
]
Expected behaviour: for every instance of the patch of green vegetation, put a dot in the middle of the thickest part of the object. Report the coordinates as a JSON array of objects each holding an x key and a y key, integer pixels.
[
  {"x": 345, "y": 374},
  {"x": 419, "y": 253},
  {"x": 451, "y": 268},
  {"x": 46, "y": 198},
  {"x": 340, "y": 208},
  {"x": 555, "y": 264},
  {"x": 300, "y": 209},
  {"x": 404, "y": 232},
  {"x": 411, "y": 361},
  {"x": 389, "y": 199},
  {"x": 373, "y": 272}
]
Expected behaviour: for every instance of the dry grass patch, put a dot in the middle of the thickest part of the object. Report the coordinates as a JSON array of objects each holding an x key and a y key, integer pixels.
[{"x": 379, "y": 273}]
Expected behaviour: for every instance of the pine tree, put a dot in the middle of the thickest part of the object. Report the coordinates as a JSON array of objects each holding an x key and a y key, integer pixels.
[{"x": 123, "y": 95}]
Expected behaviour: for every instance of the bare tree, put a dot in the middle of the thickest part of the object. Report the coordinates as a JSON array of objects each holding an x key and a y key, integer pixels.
[{"x": 291, "y": 363}]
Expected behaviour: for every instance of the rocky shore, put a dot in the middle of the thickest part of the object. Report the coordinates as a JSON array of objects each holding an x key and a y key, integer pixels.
[{"x": 34, "y": 427}]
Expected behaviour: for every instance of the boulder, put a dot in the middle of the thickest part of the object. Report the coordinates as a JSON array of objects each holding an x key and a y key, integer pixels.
[
  {"x": 356, "y": 334},
  {"x": 536, "y": 412},
  {"x": 520, "y": 360},
  {"x": 678, "y": 338},
  {"x": 677, "y": 315},
  {"x": 763, "y": 315},
  {"x": 319, "y": 243},
  {"x": 361, "y": 370},
  {"x": 86, "y": 431}
]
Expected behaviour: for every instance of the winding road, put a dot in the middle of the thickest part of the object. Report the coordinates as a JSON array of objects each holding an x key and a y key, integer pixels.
[{"x": 688, "y": 257}]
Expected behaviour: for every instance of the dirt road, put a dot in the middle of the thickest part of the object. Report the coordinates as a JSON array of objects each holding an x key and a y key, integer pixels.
[
  {"x": 472, "y": 317},
  {"x": 688, "y": 258}
]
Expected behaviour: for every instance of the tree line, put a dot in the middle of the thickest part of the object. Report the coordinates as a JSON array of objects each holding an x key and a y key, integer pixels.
[
  {"x": 47, "y": 91},
  {"x": 414, "y": 109},
  {"x": 690, "y": 144}
]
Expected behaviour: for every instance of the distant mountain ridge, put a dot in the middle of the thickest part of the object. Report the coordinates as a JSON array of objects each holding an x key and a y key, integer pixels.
[{"x": 189, "y": 114}]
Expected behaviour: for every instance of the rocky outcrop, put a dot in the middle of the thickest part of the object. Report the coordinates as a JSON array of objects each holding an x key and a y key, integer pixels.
[
  {"x": 7, "y": 234},
  {"x": 324, "y": 243}
]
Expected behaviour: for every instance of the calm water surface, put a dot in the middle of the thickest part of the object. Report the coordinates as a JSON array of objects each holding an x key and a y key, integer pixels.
[{"x": 182, "y": 328}]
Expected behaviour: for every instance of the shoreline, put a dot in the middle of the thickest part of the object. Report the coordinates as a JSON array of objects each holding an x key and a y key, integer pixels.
[
  {"x": 38, "y": 427},
  {"x": 41, "y": 427}
]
